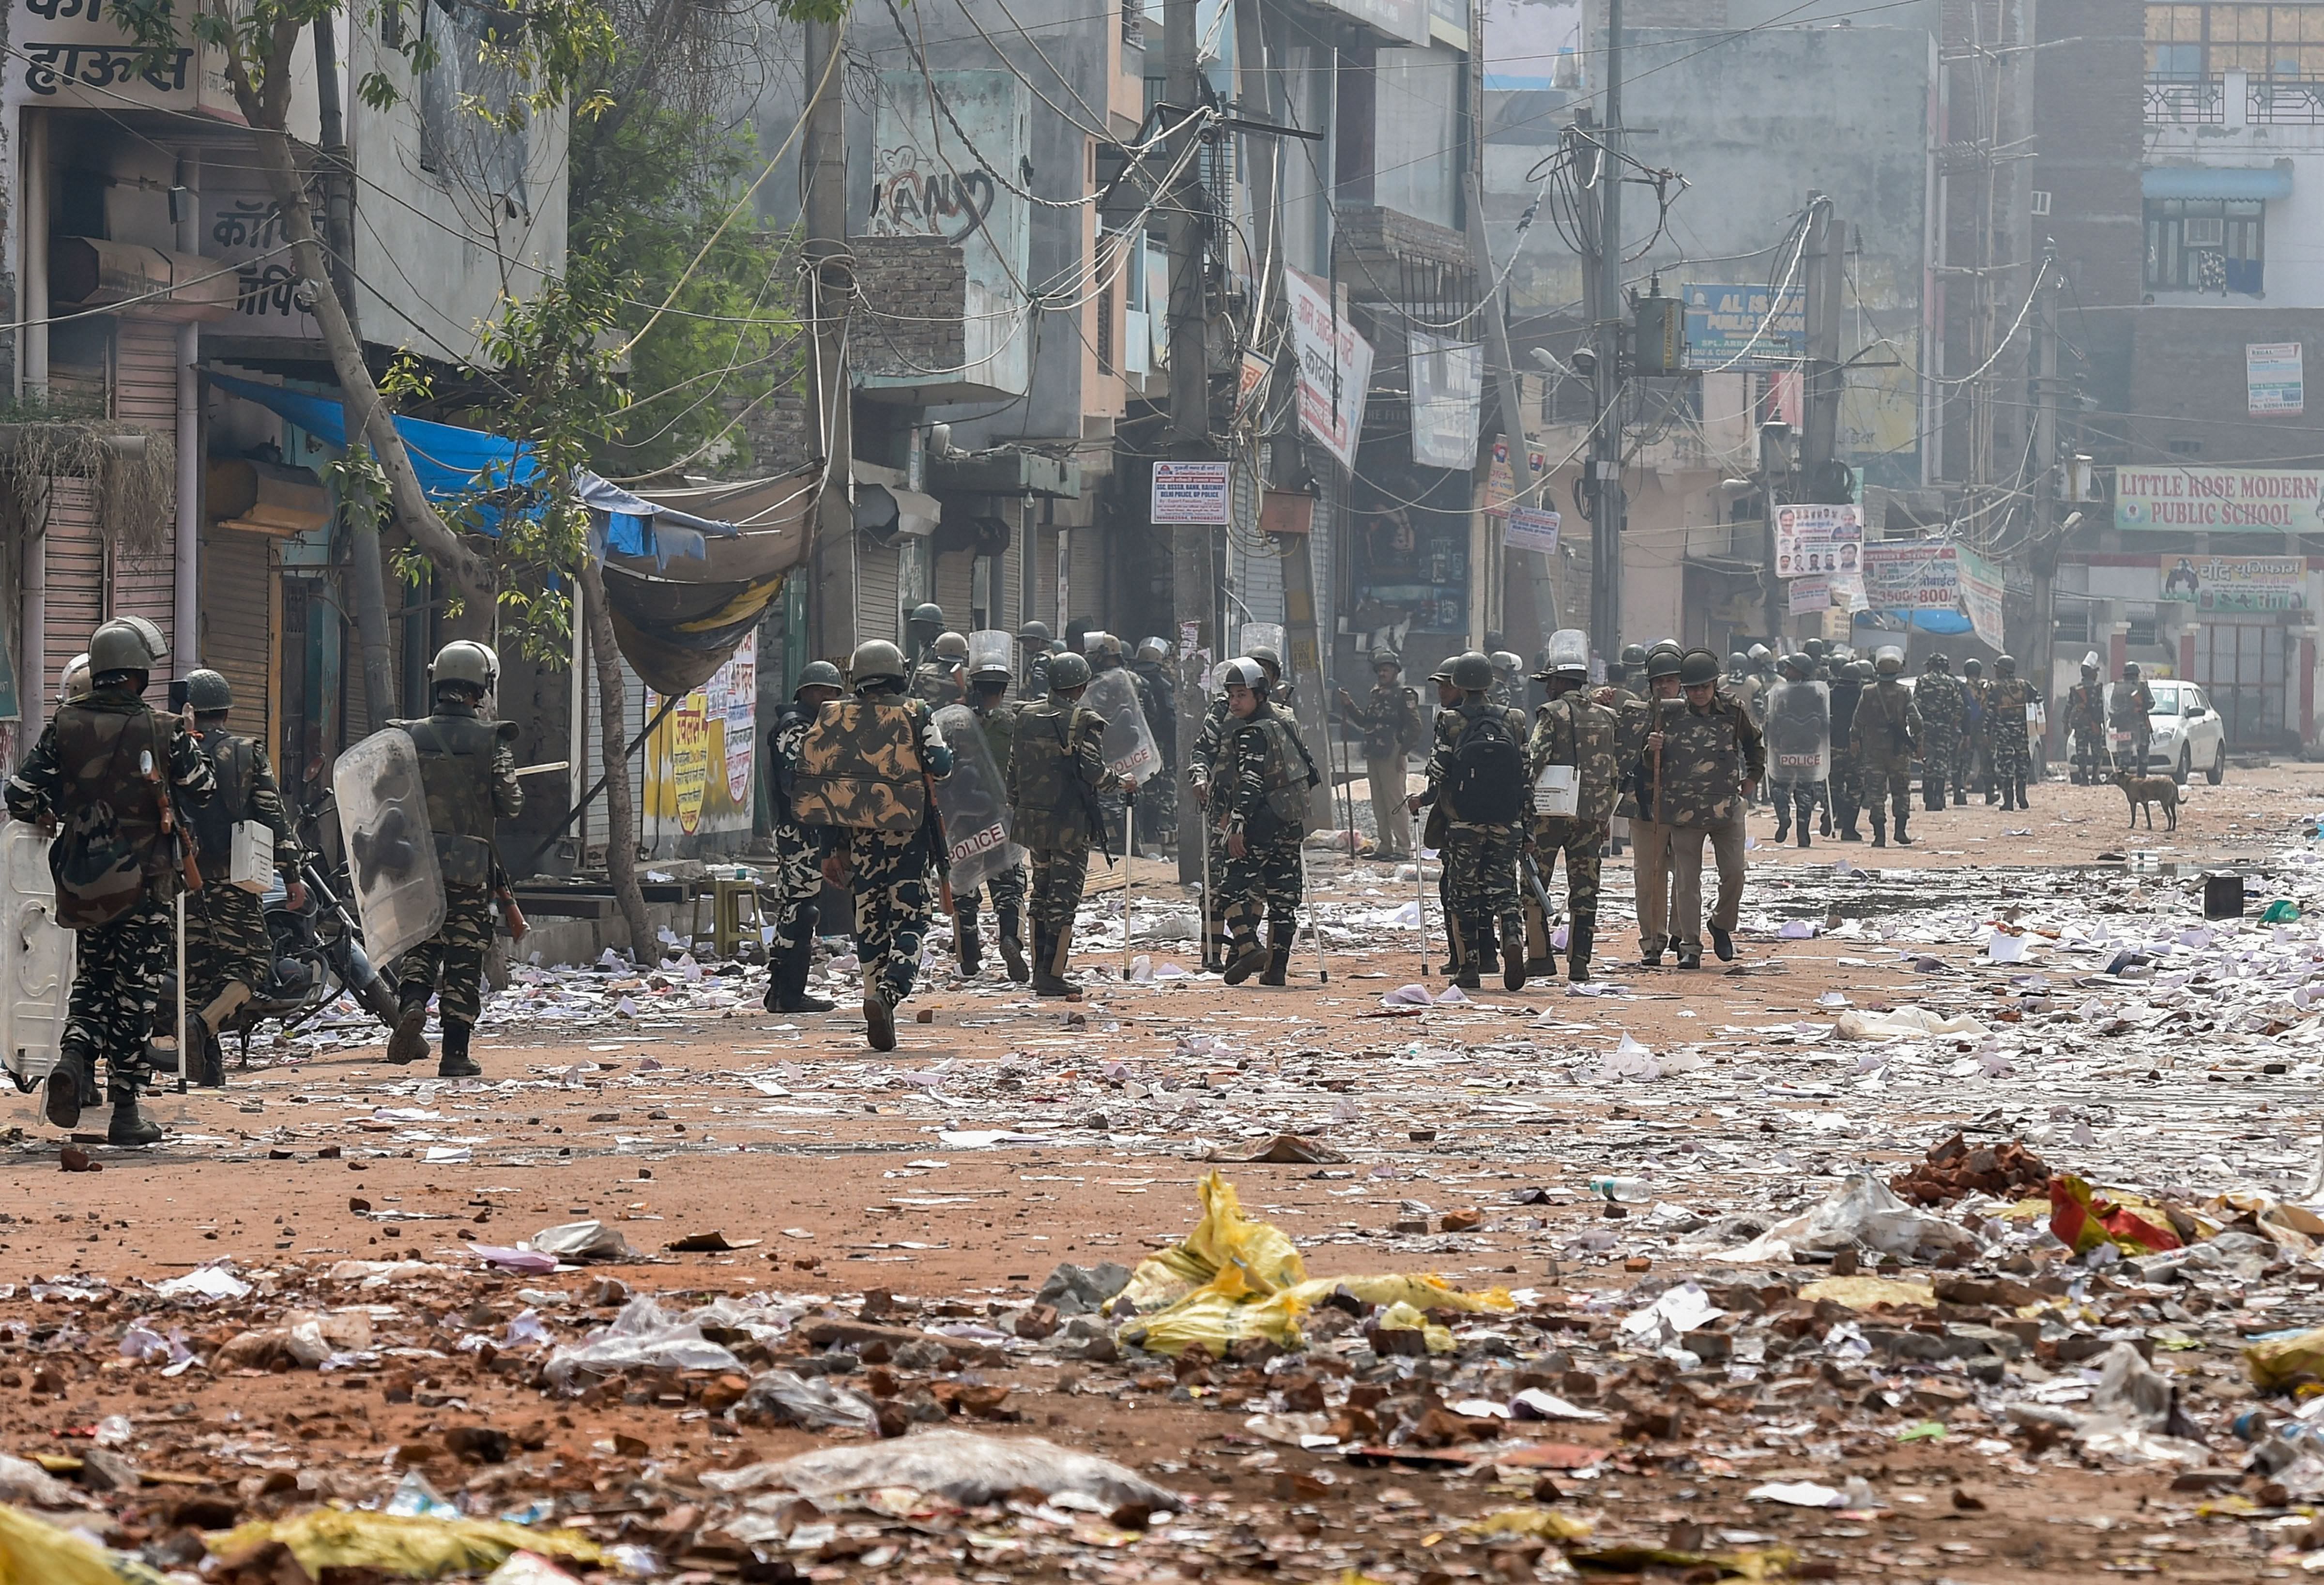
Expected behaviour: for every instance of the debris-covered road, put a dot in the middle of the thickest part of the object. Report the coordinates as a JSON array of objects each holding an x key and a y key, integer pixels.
[{"x": 1951, "y": 1233}]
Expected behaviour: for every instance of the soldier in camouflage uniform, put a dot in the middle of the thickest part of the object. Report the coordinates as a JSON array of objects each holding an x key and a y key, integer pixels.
[
  {"x": 1799, "y": 727},
  {"x": 1976, "y": 742},
  {"x": 1007, "y": 885},
  {"x": 1033, "y": 647},
  {"x": 1847, "y": 748},
  {"x": 937, "y": 679},
  {"x": 1389, "y": 719},
  {"x": 2085, "y": 719},
  {"x": 1209, "y": 743},
  {"x": 1624, "y": 678},
  {"x": 229, "y": 953},
  {"x": 2127, "y": 712},
  {"x": 470, "y": 776},
  {"x": 2013, "y": 755},
  {"x": 1509, "y": 689},
  {"x": 1476, "y": 774},
  {"x": 1262, "y": 808},
  {"x": 107, "y": 779},
  {"x": 865, "y": 769},
  {"x": 800, "y": 850},
  {"x": 1055, "y": 774},
  {"x": 1944, "y": 715},
  {"x": 1703, "y": 753},
  {"x": 1650, "y": 873},
  {"x": 1887, "y": 735},
  {"x": 1157, "y": 694},
  {"x": 921, "y": 630},
  {"x": 1570, "y": 730}
]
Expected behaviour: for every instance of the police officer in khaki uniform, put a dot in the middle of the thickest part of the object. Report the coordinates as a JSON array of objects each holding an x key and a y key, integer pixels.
[
  {"x": 1573, "y": 733},
  {"x": 1649, "y": 833},
  {"x": 1707, "y": 758},
  {"x": 1389, "y": 719},
  {"x": 470, "y": 777},
  {"x": 110, "y": 779},
  {"x": 1056, "y": 775},
  {"x": 229, "y": 952}
]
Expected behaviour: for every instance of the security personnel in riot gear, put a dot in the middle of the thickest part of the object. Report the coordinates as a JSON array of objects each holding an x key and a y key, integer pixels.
[
  {"x": 74, "y": 684},
  {"x": 921, "y": 628},
  {"x": 228, "y": 951},
  {"x": 1261, "y": 807},
  {"x": 1650, "y": 874},
  {"x": 2085, "y": 719},
  {"x": 470, "y": 777},
  {"x": 800, "y": 850},
  {"x": 1210, "y": 741},
  {"x": 1157, "y": 695},
  {"x": 938, "y": 678},
  {"x": 997, "y": 721},
  {"x": 1476, "y": 773},
  {"x": 1389, "y": 719},
  {"x": 1055, "y": 774},
  {"x": 1033, "y": 643},
  {"x": 867, "y": 764},
  {"x": 2013, "y": 754},
  {"x": 1576, "y": 735},
  {"x": 1704, "y": 754},
  {"x": 109, "y": 779},
  {"x": 1887, "y": 736},
  {"x": 1847, "y": 785}
]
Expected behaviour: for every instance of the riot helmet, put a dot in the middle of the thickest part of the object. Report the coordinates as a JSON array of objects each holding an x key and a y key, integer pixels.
[
  {"x": 1472, "y": 672},
  {"x": 1634, "y": 654},
  {"x": 1737, "y": 664},
  {"x": 464, "y": 661},
  {"x": 1268, "y": 659},
  {"x": 928, "y": 614},
  {"x": 2129, "y": 669},
  {"x": 818, "y": 674},
  {"x": 73, "y": 686},
  {"x": 1797, "y": 666},
  {"x": 876, "y": 659},
  {"x": 1566, "y": 655},
  {"x": 1034, "y": 632},
  {"x": 2006, "y": 665},
  {"x": 1661, "y": 660},
  {"x": 1972, "y": 666},
  {"x": 950, "y": 646},
  {"x": 1761, "y": 654},
  {"x": 1068, "y": 672},
  {"x": 208, "y": 693},
  {"x": 1508, "y": 662},
  {"x": 1697, "y": 668},
  {"x": 118, "y": 648},
  {"x": 1888, "y": 660},
  {"x": 1156, "y": 650}
]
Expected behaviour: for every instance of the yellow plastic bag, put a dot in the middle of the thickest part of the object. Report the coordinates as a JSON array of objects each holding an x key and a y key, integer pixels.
[
  {"x": 2275, "y": 1362},
  {"x": 1402, "y": 1317},
  {"x": 1422, "y": 1293},
  {"x": 34, "y": 1552},
  {"x": 413, "y": 1546},
  {"x": 1224, "y": 1239},
  {"x": 1546, "y": 1523}
]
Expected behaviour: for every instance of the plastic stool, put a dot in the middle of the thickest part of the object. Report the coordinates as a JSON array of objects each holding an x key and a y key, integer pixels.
[{"x": 735, "y": 915}]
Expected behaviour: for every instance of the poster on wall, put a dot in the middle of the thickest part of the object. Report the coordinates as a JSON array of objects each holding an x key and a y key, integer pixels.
[
  {"x": 1816, "y": 541},
  {"x": 1448, "y": 378},
  {"x": 1980, "y": 595},
  {"x": 1335, "y": 367},
  {"x": 1531, "y": 528},
  {"x": 2272, "y": 385},
  {"x": 2197, "y": 499},
  {"x": 1912, "y": 575},
  {"x": 699, "y": 761},
  {"x": 1809, "y": 594},
  {"x": 2236, "y": 583}
]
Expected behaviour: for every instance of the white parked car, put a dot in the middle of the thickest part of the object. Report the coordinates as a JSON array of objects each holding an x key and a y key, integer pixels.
[{"x": 2188, "y": 732}]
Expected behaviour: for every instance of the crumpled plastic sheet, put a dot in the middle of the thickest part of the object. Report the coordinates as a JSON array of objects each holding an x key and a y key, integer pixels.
[
  {"x": 964, "y": 1466},
  {"x": 2132, "y": 1415},
  {"x": 816, "y": 1403},
  {"x": 641, "y": 1335},
  {"x": 32, "y": 1552},
  {"x": 1862, "y": 1210},
  {"x": 410, "y": 1547}
]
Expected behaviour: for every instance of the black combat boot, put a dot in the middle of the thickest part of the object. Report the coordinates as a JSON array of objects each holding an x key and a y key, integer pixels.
[
  {"x": 1513, "y": 955},
  {"x": 1279, "y": 937},
  {"x": 1932, "y": 793},
  {"x": 1578, "y": 942},
  {"x": 2021, "y": 794},
  {"x": 1480, "y": 955},
  {"x": 787, "y": 978},
  {"x": 409, "y": 1044},
  {"x": 1961, "y": 796},
  {"x": 1246, "y": 955},
  {"x": 1879, "y": 829},
  {"x": 1783, "y": 822},
  {"x": 129, "y": 1129},
  {"x": 969, "y": 940},
  {"x": 1012, "y": 944},
  {"x": 455, "y": 1064},
  {"x": 1803, "y": 831},
  {"x": 1690, "y": 955},
  {"x": 72, "y": 1085},
  {"x": 1651, "y": 949},
  {"x": 1903, "y": 813}
]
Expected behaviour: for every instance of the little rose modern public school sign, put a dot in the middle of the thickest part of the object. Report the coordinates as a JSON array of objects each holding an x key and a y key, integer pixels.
[{"x": 2195, "y": 500}]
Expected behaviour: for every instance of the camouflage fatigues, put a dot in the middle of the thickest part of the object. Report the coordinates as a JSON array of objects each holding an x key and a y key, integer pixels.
[
  {"x": 1157, "y": 799},
  {"x": 1706, "y": 755},
  {"x": 1267, "y": 758},
  {"x": 936, "y": 682},
  {"x": 2086, "y": 720},
  {"x": 1208, "y": 742},
  {"x": 1055, "y": 769},
  {"x": 1846, "y": 789},
  {"x": 1649, "y": 837},
  {"x": 1799, "y": 722},
  {"x": 2013, "y": 754},
  {"x": 1944, "y": 716},
  {"x": 1887, "y": 734},
  {"x": 227, "y": 938},
  {"x": 887, "y": 867},
  {"x": 799, "y": 848},
  {"x": 2127, "y": 711},
  {"x": 1481, "y": 857},
  {"x": 1572, "y": 729},
  {"x": 466, "y": 790},
  {"x": 1390, "y": 722},
  {"x": 1006, "y": 887},
  {"x": 120, "y": 963}
]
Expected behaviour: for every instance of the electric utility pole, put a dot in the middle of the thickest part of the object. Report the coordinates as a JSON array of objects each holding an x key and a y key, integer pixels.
[
  {"x": 1822, "y": 383},
  {"x": 1609, "y": 504},
  {"x": 1192, "y": 595},
  {"x": 2043, "y": 560},
  {"x": 822, "y": 182}
]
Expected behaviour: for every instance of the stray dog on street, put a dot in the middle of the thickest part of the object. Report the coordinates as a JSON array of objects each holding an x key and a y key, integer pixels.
[{"x": 2147, "y": 791}]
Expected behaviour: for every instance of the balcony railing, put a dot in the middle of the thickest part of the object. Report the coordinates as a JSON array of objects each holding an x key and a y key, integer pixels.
[
  {"x": 2283, "y": 102},
  {"x": 2186, "y": 101}
]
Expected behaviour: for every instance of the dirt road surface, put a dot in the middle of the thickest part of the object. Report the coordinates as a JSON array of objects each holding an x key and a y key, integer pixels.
[{"x": 318, "y": 1293}]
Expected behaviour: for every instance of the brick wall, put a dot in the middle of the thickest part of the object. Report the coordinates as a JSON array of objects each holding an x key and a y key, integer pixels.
[{"x": 914, "y": 288}]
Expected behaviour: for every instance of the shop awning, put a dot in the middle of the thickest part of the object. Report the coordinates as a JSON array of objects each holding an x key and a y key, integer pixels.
[{"x": 2216, "y": 182}]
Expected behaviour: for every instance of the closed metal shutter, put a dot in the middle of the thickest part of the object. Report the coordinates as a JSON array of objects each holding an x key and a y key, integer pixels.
[
  {"x": 237, "y": 625},
  {"x": 75, "y": 601},
  {"x": 957, "y": 586},
  {"x": 878, "y": 589},
  {"x": 145, "y": 393}
]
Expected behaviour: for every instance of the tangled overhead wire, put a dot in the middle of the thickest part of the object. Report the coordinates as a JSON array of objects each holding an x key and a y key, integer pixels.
[{"x": 1574, "y": 171}]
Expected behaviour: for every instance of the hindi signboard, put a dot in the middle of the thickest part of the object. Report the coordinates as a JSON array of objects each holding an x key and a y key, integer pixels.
[
  {"x": 1335, "y": 367},
  {"x": 1192, "y": 492},
  {"x": 2233, "y": 584},
  {"x": 1912, "y": 575},
  {"x": 1531, "y": 528},
  {"x": 1448, "y": 378}
]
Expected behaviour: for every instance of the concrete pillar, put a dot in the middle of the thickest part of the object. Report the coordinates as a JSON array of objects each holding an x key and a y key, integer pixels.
[
  {"x": 2187, "y": 650},
  {"x": 2117, "y": 647},
  {"x": 2306, "y": 716}
]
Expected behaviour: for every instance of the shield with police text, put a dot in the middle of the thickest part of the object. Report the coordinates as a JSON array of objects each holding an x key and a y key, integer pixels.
[
  {"x": 975, "y": 802},
  {"x": 1129, "y": 751},
  {"x": 36, "y": 956},
  {"x": 1799, "y": 731}
]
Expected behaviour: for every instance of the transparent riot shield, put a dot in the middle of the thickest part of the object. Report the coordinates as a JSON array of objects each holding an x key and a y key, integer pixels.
[
  {"x": 975, "y": 802},
  {"x": 1263, "y": 635},
  {"x": 36, "y": 957},
  {"x": 991, "y": 649},
  {"x": 1129, "y": 751},
  {"x": 1799, "y": 731},
  {"x": 399, "y": 889}
]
